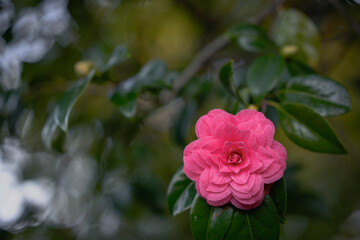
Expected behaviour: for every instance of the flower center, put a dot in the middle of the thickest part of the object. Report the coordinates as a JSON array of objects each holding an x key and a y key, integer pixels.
[{"x": 234, "y": 158}]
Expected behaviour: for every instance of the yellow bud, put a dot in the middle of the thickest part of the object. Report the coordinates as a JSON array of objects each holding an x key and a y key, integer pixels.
[
  {"x": 289, "y": 50},
  {"x": 82, "y": 68},
  {"x": 253, "y": 107}
]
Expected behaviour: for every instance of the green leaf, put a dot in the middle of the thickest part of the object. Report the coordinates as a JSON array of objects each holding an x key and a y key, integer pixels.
[
  {"x": 207, "y": 222},
  {"x": 279, "y": 196},
  {"x": 48, "y": 131},
  {"x": 296, "y": 68},
  {"x": 297, "y": 35},
  {"x": 323, "y": 95},
  {"x": 226, "y": 76},
  {"x": 153, "y": 74},
  {"x": 260, "y": 223},
  {"x": 60, "y": 116},
  {"x": 183, "y": 123},
  {"x": 220, "y": 221},
  {"x": 119, "y": 55},
  {"x": 264, "y": 74},
  {"x": 66, "y": 103},
  {"x": 200, "y": 215},
  {"x": 251, "y": 38},
  {"x": 181, "y": 193},
  {"x": 125, "y": 95},
  {"x": 308, "y": 129}
]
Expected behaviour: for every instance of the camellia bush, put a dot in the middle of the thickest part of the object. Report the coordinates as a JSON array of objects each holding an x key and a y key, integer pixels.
[
  {"x": 258, "y": 76},
  {"x": 232, "y": 179}
]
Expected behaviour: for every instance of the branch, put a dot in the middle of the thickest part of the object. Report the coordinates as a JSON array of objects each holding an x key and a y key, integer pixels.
[{"x": 214, "y": 46}]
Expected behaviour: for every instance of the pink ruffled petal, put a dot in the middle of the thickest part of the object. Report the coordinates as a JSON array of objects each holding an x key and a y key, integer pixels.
[
  {"x": 203, "y": 126},
  {"x": 255, "y": 166},
  {"x": 191, "y": 173},
  {"x": 278, "y": 172},
  {"x": 249, "y": 115},
  {"x": 279, "y": 152},
  {"x": 220, "y": 202},
  {"x": 216, "y": 188},
  {"x": 269, "y": 131},
  {"x": 242, "y": 206},
  {"x": 228, "y": 132},
  {"x": 219, "y": 196},
  {"x": 221, "y": 178},
  {"x": 216, "y": 112},
  {"x": 222, "y": 118},
  {"x": 204, "y": 181},
  {"x": 240, "y": 178},
  {"x": 225, "y": 168},
  {"x": 258, "y": 196}
]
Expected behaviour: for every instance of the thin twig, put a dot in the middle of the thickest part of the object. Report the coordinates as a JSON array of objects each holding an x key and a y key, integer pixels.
[
  {"x": 198, "y": 61},
  {"x": 214, "y": 46}
]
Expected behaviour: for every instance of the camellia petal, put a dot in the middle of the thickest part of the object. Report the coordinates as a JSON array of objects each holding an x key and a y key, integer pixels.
[{"x": 234, "y": 158}]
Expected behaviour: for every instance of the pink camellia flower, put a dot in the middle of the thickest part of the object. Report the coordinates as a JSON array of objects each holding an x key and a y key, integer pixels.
[{"x": 235, "y": 158}]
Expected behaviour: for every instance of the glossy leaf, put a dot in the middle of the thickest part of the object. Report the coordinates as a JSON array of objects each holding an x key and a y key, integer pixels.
[
  {"x": 264, "y": 74},
  {"x": 219, "y": 223},
  {"x": 153, "y": 74},
  {"x": 207, "y": 222},
  {"x": 119, "y": 54},
  {"x": 297, "y": 35},
  {"x": 48, "y": 131},
  {"x": 181, "y": 193},
  {"x": 125, "y": 97},
  {"x": 251, "y": 38},
  {"x": 260, "y": 223},
  {"x": 323, "y": 95},
  {"x": 279, "y": 196},
  {"x": 60, "y": 116},
  {"x": 226, "y": 76},
  {"x": 183, "y": 123},
  {"x": 66, "y": 103},
  {"x": 296, "y": 68},
  {"x": 308, "y": 129},
  {"x": 199, "y": 218}
]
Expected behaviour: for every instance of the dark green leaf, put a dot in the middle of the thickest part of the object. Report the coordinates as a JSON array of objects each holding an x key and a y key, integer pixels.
[
  {"x": 260, "y": 223},
  {"x": 207, "y": 222},
  {"x": 272, "y": 114},
  {"x": 226, "y": 76},
  {"x": 153, "y": 74},
  {"x": 186, "y": 118},
  {"x": 239, "y": 227},
  {"x": 60, "y": 116},
  {"x": 296, "y": 68},
  {"x": 233, "y": 80},
  {"x": 199, "y": 218},
  {"x": 297, "y": 35},
  {"x": 66, "y": 103},
  {"x": 125, "y": 97},
  {"x": 220, "y": 220},
  {"x": 323, "y": 95},
  {"x": 48, "y": 131},
  {"x": 251, "y": 38},
  {"x": 278, "y": 195},
  {"x": 119, "y": 55},
  {"x": 181, "y": 193},
  {"x": 264, "y": 74},
  {"x": 308, "y": 129}
]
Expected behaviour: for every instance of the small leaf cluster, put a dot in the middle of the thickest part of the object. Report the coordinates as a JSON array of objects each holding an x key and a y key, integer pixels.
[{"x": 282, "y": 78}]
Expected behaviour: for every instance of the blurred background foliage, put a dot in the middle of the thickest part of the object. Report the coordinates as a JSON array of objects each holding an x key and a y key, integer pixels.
[{"x": 106, "y": 178}]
